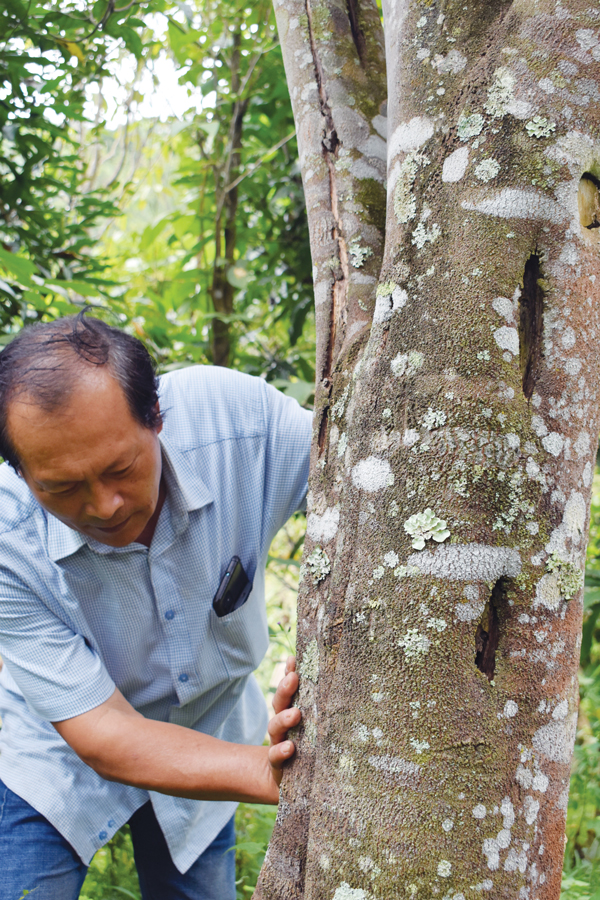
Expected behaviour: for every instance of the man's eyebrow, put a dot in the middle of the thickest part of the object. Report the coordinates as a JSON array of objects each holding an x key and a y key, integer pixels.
[{"x": 119, "y": 463}]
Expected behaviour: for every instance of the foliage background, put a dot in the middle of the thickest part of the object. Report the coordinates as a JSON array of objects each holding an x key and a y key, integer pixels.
[{"x": 148, "y": 167}]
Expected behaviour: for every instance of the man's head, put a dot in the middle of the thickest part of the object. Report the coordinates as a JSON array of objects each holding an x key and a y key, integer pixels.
[{"x": 79, "y": 421}]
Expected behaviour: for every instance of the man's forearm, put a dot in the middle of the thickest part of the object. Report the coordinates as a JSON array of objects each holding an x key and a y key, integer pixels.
[
  {"x": 158, "y": 756},
  {"x": 121, "y": 745}
]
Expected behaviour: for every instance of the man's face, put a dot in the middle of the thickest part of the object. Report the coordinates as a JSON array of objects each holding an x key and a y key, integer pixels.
[{"x": 91, "y": 464}]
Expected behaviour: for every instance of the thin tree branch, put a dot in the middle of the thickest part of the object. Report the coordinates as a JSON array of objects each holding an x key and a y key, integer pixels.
[{"x": 258, "y": 163}]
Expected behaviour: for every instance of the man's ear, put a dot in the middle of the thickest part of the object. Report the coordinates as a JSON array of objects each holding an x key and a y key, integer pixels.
[{"x": 158, "y": 428}]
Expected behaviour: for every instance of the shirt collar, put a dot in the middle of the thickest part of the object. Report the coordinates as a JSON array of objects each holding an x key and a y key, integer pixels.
[
  {"x": 194, "y": 491},
  {"x": 64, "y": 541}
]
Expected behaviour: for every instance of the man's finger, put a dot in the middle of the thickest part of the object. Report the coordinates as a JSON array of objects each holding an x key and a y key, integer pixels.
[
  {"x": 290, "y": 664},
  {"x": 280, "y": 724},
  {"x": 285, "y": 691},
  {"x": 280, "y": 753}
]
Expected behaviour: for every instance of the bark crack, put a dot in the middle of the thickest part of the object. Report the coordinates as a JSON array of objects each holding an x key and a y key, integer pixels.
[
  {"x": 488, "y": 633},
  {"x": 330, "y": 145},
  {"x": 357, "y": 34},
  {"x": 531, "y": 324}
]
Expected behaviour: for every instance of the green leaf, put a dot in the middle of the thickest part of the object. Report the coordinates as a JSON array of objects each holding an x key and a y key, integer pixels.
[{"x": 18, "y": 265}]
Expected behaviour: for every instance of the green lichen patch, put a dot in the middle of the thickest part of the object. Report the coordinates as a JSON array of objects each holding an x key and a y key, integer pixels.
[
  {"x": 318, "y": 565},
  {"x": 425, "y": 526},
  {"x": 570, "y": 577},
  {"x": 540, "y": 127},
  {"x": 309, "y": 667},
  {"x": 470, "y": 126}
]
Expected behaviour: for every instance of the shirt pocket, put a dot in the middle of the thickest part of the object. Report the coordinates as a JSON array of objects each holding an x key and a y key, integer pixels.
[{"x": 242, "y": 637}]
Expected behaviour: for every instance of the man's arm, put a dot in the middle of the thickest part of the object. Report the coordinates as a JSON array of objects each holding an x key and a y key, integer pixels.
[{"x": 121, "y": 745}]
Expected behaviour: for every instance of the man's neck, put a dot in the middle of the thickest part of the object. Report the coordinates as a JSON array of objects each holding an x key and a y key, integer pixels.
[{"x": 148, "y": 533}]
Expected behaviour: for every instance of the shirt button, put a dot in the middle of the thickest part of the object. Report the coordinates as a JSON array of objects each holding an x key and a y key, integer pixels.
[
  {"x": 183, "y": 677},
  {"x": 111, "y": 823},
  {"x": 103, "y": 835},
  {"x": 169, "y": 614}
]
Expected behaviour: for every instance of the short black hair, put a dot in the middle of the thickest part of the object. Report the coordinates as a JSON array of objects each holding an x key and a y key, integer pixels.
[{"x": 41, "y": 361}]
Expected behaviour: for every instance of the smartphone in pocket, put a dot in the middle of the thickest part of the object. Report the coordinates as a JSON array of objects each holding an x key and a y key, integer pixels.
[{"x": 234, "y": 589}]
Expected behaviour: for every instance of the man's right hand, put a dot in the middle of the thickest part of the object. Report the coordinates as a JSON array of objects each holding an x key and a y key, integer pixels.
[{"x": 285, "y": 717}]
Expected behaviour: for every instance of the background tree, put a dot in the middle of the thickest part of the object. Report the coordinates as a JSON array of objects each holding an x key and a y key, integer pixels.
[{"x": 440, "y": 610}]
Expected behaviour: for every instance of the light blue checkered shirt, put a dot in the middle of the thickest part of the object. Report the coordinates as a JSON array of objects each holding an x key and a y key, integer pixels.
[{"x": 78, "y": 617}]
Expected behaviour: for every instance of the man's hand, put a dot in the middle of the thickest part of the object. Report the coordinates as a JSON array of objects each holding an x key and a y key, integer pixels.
[{"x": 285, "y": 718}]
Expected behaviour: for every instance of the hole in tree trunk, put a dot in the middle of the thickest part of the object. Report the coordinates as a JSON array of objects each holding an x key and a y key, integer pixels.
[
  {"x": 588, "y": 201},
  {"x": 531, "y": 324},
  {"x": 488, "y": 633}
]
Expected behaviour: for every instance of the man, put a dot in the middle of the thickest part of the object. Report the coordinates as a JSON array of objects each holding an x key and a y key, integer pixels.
[{"x": 124, "y": 696}]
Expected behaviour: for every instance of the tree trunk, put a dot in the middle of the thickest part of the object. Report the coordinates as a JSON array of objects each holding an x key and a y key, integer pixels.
[
  {"x": 440, "y": 608},
  {"x": 222, "y": 290}
]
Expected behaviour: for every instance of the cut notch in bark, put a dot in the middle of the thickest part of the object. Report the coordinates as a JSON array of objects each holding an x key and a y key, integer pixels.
[
  {"x": 357, "y": 34},
  {"x": 531, "y": 324},
  {"x": 588, "y": 202},
  {"x": 488, "y": 633}
]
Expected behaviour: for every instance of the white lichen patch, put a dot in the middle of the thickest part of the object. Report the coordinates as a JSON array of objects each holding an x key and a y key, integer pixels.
[
  {"x": 555, "y": 740},
  {"x": 507, "y": 339},
  {"x": 338, "y": 408},
  {"x": 395, "y": 765},
  {"x": 447, "y": 825},
  {"x": 407, "y": 363},
  {"x": 342, "y": 444},
  {"x": 444, "y": 868},
  {"x": 425, "y": 526},
  {"x": 487, "y": 169},
  {"x": 540, "y": 127},
  {"x": 451, "y": 64},
  {"x": 469, "y": 126},
  {"x": 345, "y": 892},
  {"x": 547, "y": 592},
  {"x": 468, "y": 562},
  {"x": 455, "y": 165},
  {"x": 515, "y": 203},
  {"x": 388, "y": 300},
  {"x": 358, "y": 254},
  {"x": 531, "y": 807},
  {"x": 423, "y": 235},
  {"x": 318, "y": 565},
  {"x": 309, "y": 666},
  {"x": 479, "y": 811},
  {"x": 510, "y": 709},
  {"x": 414, "y": 644},
  {"x": 419, "y": 746},
  {"x": 410, "y": 136},
  {"x": 438, "y": 625},
  {"x": 405, "y": 203},
  {"x": 492, "y": 852},
  {"x": 500, "y": 94},
  {"x": 323, "y": 528},
  {"x": 433, "y": 418},
  {"x": 391, "y": 559},
  {"x": 372, "y": 474}
]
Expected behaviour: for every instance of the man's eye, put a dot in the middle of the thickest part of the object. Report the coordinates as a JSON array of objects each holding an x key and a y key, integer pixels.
[
  {"x": 122, "y": 471},
  {"x": 61, "y": 491}
]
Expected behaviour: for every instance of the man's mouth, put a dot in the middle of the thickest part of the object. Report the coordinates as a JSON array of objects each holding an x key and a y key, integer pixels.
[{"x": 113, "y": 528}]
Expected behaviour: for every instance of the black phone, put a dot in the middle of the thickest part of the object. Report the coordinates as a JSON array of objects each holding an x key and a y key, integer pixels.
[{"x": 234, "y": 589}]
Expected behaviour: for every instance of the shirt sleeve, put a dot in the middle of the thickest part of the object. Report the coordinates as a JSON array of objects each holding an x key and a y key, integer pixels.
[
  {"x": 58, "y": 673},
  {"x": 289, "y": 433}
]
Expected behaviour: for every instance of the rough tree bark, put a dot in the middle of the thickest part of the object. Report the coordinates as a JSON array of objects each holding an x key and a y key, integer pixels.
[{"x": 438, "y": 653}]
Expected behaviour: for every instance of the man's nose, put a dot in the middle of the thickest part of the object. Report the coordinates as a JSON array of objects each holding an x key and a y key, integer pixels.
[{"x": 104, "y": 502}]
